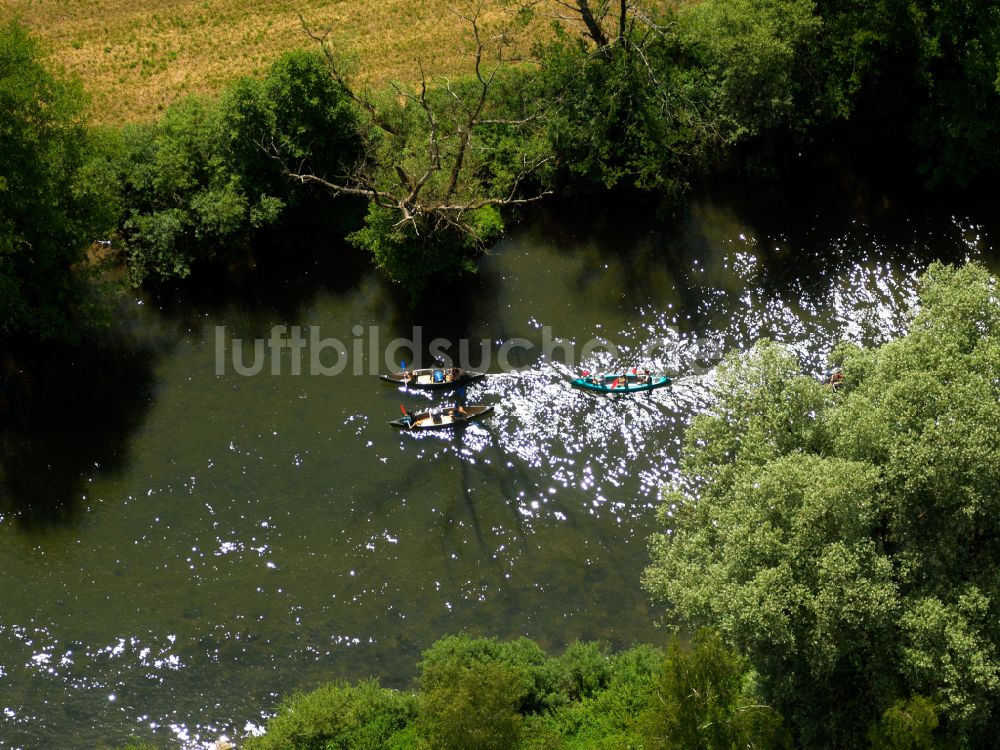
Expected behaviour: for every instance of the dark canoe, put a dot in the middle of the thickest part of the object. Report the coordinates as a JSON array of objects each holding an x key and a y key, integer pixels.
[
  {"x": 437, "y": 419},
  {"x": 625, "y": 383},
  {"x": 433, "y": 378}
]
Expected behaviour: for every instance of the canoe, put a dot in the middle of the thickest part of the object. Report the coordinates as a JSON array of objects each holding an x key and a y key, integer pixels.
[
  {"x": 433, "y": 378},
  {"x": 436, "y": 419},
  {"x": 621, "y": 383}
]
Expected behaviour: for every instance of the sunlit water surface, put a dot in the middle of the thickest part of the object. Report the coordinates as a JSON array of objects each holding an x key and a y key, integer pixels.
[{"x": 269, "y": 533}]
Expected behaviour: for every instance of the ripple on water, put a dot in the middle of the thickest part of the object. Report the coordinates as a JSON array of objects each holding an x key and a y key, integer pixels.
[{"x": 318, "y": 543}]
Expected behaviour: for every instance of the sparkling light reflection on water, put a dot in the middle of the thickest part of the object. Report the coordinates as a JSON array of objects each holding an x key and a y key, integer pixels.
[{"x": 270, "y": 533}]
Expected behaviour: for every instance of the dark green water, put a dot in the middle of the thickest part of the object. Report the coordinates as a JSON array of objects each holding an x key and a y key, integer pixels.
[{"x": 209, "y": 543}]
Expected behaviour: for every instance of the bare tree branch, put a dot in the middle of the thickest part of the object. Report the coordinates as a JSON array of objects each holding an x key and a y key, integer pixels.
[
  {"x": 335, "y": 72},
  {"x": 397, "y": 175}
]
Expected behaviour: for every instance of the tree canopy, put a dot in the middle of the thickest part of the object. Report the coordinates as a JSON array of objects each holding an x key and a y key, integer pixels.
[
  {"x": 206, "y": 177},
  {"x": 51, "y": 206},
  {"x": 847, "y": 540},
  {"x": 485, "y": 693},
  {"x": 650, "y": 94},
  {"x": 442, "y": 156},
  {"x": 920, "y": 73}
]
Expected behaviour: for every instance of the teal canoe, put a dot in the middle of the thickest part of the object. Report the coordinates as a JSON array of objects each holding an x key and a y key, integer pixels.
[{"x": 621, "y": 383}]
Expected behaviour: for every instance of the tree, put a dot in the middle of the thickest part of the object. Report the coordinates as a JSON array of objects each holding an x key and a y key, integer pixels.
[
  {"x": 906, "y": 725},
  {"x": 441, "y": 159},
  {"x": 919, "y": 73},
  {"x": 704, "y": 699},
  {"x": 182, "y": 203},
  {"x": 297, "y": 112},
  {"x": 623, "y": 114},
  {"x": 200, "y": 182},
  {"x": 602, "y": 23},
  {"x": 472, "y": 691},
  {"x": 53, "y": 199},
  {"x": 847, "y": 540},
  {"x": 757, "y": 58},
  {"x": 651, "y": 94},
  {"x": 605, "y": 711},
  {"x": 361, "y": 717},
  {"x": 544, "y": 680}
]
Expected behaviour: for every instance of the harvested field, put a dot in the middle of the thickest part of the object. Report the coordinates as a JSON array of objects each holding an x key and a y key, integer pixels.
[{"x": 137, "y": 58}]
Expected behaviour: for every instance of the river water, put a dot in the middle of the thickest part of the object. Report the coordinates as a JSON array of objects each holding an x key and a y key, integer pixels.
[{"x": 192, "y": 545}]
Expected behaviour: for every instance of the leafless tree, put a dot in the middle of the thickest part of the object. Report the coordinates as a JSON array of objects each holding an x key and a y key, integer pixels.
[{"x": 427, "y": 158}]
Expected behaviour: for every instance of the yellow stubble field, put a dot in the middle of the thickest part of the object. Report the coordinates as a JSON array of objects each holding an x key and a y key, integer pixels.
[{"x": 135, "y": 58}]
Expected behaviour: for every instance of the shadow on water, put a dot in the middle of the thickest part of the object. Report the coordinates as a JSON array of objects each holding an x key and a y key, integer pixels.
[
  {"x": 278, "y": 282},
  {"x": 69, "y": 411},
  {"x": 66, "y": 412},
  {"x": 273, "y": 283},
  {"x": 824, "y": 215},
  {"x": 446, "y": 311},
  {"x": 813, "y": 217}
]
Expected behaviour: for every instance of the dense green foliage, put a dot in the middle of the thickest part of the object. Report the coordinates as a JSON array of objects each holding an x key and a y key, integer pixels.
[
  {"x": 847, "y": 541},
  {"x": 362, "y": 717},
  {"x": 199, "y": 183},
  {"x": 415, "y": 254},
  {"x": 756, "y": 60},
  {"x": 707, "y": 699},
  {"x": 906, "y": 725},
  {"x": 672, "y": 91},
  {"x": 665, "y": 92},
  {"x": 52, "y": 193},
  {"x": 203, "y": 179},
  {"x": 923, "y": 73},
  {"x": 626, "y": 95},
  {"x": 443, "y": 157},
  {"x": 483, "y": 693}
]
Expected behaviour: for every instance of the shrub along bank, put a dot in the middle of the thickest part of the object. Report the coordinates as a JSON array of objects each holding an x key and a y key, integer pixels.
[{"x": 630, "y": 96}]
